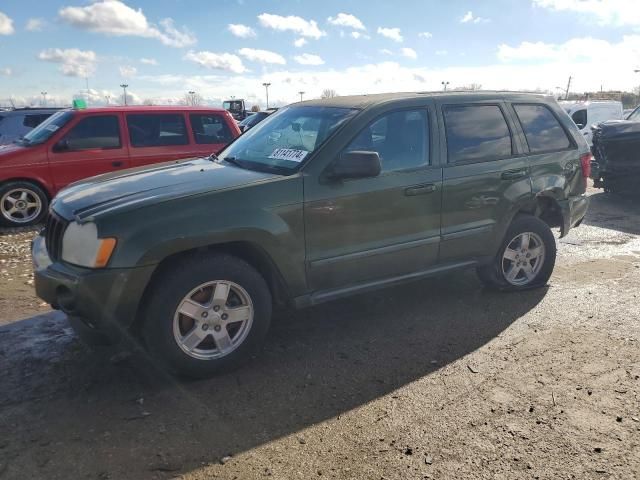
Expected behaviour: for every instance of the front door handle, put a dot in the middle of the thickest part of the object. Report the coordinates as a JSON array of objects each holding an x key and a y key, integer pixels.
[
  {"x": 117, "y": 164},
  {"x": 513, "y": 174},
  {"x": 420, "y": 189}
]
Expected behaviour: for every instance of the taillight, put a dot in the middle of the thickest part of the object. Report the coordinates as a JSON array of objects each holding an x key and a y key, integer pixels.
[{"x": 585, "y": 162}]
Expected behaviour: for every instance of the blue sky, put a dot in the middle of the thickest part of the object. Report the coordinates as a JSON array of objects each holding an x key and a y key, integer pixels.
[{"x": 230, "y": 47}]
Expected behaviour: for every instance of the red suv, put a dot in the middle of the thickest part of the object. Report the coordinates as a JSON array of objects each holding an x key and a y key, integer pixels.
[{"x": 75, "y": 144}]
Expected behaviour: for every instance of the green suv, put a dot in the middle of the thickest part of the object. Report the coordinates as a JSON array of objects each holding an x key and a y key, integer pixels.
[{"x": 323, "y": 199}]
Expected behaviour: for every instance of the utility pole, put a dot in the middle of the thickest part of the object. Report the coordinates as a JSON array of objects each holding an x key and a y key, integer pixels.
[
  {"x": 266, "y": 87},
  {"x": 566, "y": 95},
  {"x": 445, "y": 85},
  {"x": 44, "y": 98},
  {"x": 301, "y": 94},
  {"x": 124, "y": 88}
]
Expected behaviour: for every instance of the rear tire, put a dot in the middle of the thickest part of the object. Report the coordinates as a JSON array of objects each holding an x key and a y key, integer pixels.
[
  {"x": 525, "y": 259},
  {"x": 208, "y": 314},
  {"x": 22, "y": 204}
]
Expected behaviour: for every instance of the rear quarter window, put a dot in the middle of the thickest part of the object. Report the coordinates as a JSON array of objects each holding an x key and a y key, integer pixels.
[
  {"x": 476, "y": 133},
  {"x": 542, "y": 129},
  {"x": 209, "y": 128}
]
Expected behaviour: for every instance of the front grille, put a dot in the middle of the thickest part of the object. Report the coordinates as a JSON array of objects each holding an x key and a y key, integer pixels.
[{"x": 53, "y": 232}]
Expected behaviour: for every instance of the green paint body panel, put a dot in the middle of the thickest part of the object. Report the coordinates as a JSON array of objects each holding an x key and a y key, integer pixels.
[{"x": 323, "y": 238}]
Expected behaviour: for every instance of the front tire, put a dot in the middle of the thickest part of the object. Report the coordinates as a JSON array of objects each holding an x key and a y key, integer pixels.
[
  {"x": 22, "y": 204},
  {"x": 525, "y": 259},
  {"x": 206, "y": 315}
]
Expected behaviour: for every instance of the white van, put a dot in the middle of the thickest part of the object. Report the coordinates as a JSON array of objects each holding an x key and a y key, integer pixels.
[{"x": 591, "y": 112}]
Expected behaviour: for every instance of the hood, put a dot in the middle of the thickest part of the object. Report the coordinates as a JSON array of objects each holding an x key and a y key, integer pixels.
[
  {"x": 10, "y": 150},
  {"x": 617, "y": 129},
  {"x": 138, "y": 187}
]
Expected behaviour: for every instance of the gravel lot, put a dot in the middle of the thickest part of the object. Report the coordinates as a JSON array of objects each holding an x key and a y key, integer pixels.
[{"x": 439, "y": 379}]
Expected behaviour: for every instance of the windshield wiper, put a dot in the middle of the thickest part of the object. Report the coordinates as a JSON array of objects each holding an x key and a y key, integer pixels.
[
  {"x": 235, "y": 161},
  {"x": 213, "y": 157}
]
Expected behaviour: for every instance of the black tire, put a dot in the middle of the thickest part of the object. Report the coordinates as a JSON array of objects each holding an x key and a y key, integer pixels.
[
  {"x": 493, "y": 276},
  {"x": 90, "y": 336},
  {"x": 34, "y": 190},
  {"x": 174, "y": 284}
]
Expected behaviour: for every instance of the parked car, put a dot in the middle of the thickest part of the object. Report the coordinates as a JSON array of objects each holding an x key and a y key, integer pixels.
[
  {"x": 616, "y": 164},
  {"x": 75, "y": 144},
  {"x": 14, "y": 124},
  {"x": 253, "y": 120},
  {"x": 237, "y": 108},
  {"x": 326, "y": 199},
  {"x": 591, "y": 112}
]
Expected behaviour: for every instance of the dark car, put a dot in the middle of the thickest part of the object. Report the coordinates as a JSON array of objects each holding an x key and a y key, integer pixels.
[
  {"x": 616, "y": 147},
  {"x": 253, "y": 120},
  {"x": 326, "y": 199},
  {"x": 15, "y": 124}
]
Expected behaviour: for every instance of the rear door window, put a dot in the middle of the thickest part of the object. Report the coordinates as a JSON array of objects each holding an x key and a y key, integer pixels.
[
  {"x": 542, "y": 129},
  {"x": 210, "y": 128},
  {"x": 153, "y": 130},
  {"x": 95, "y": 132},
  {"x": 476, "y": 133}
]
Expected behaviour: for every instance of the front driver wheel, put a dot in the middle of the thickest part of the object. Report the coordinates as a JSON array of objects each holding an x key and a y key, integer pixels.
[
  {"x": 207, "y": 314},
  {"x": 526, "y": 257}
]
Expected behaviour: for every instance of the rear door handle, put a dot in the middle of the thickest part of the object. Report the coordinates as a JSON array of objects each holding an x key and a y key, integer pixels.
[
  {"x": 513, "y": 174},
  {"x": 420, "y": 189},
  {"x": 117, "y": 164}
]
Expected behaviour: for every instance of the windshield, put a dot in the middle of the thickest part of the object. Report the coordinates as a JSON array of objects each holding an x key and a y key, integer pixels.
[
  {"x": 635, "y": 115},
  {"x": 234, "y": 106},
  {"x": 46, "y": 129},
  {"x": 285, "y": 139}
]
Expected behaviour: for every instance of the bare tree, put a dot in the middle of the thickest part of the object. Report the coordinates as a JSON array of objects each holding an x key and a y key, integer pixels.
[
  {"x": 255, "y": 108},
  {"x": 328, "y": 93},
  {"x": 147, "y": 101},
  {"x": 193, "y": 99}
]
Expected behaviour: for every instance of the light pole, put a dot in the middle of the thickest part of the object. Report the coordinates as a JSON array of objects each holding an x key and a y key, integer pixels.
[
  {"x": 266, "y": 87},
  {"x": 124, "y": 88},
  {"x": 108, "y": 99},
  {"x": 444, "y": 85},
  {"x": 301, "y": 94},
  {"x": 44, "y": 98}
]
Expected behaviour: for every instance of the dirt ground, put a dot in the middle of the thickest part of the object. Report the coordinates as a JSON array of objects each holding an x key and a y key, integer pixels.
[{"x": 438, "y": 379}]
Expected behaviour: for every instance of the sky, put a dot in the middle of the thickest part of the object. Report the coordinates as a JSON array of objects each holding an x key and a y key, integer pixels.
[{"x": 225, "y": 48}]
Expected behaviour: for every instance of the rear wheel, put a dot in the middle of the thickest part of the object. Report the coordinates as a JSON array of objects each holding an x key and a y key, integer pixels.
[
  {"x": 209, "y": 314},
  {"x": 22, "y": 204},
  {"x": 526, "y": 257}
]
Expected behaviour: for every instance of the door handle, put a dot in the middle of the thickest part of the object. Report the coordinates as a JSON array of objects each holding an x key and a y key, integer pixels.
[
  {"x": 513, "y": 174},
  {"x": 117, "y": 164},
  {"x": 420, "y": 190}
]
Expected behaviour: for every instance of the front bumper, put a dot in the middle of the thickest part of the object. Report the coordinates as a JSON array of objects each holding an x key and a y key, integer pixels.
[
  {"x": 105, "y": 299},
  {"x": 573, "y": 211}
]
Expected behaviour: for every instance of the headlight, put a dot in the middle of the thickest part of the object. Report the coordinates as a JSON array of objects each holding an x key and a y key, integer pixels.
[{"x": 81, "y": 246}]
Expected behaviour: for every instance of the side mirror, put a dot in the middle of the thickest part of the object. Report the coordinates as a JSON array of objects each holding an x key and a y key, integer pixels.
[
  {"x": 61, "y": 146},
  {"x": 356, "y": 164}
]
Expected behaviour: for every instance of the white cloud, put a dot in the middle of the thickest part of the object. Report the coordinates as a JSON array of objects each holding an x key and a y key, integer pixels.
[
  {"x": 127, "y": 71},
  {"x": 6, "y": 25},
  {"x": 262, "y": 56},
  {"x": 73, "y": 62},
  {"x": 218, "y": 61},
  {"x": 304, "y": 28},
  {"x": 442, "y": 53},
  {"x": 470, "y": 18},
  {"x": 409, "y": 53},
  {"x": 6, "y": 71},
  {"x": 346, "y": 20},
  {"x": 300, "y": 42},
  {"x": 35, "y": 24},
  {"x": 241, "y": 31},
  {"x": 425, "y": 35},
  {"x": 308, "y": 59},
  {"x": 358, "y": 35},
  {"x": 581, "y": 50},
  {"x": 392, "y": 33},
  {"x": 113, "y": 17},
  {"x": 149, "y": 61},
  {"x": 386, "y": 51},
  {"x": 606, "y": 12}
]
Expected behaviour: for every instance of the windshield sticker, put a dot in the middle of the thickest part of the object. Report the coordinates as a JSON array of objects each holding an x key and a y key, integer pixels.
[
  {"x": 289, "y": 154},
  {"x": 52, "y": 128}
]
